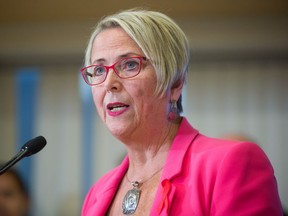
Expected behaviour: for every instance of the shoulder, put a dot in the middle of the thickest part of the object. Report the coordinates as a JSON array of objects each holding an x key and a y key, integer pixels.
[
  {"x": 215, "y": 154},
  {"x": 231, "y": 163},
  {"x": 221, "y": 147},
  {"x": 189, "y": 139}
]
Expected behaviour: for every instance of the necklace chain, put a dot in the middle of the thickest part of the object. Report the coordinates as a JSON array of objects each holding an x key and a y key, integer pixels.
[{"x": 141, "y": 182}]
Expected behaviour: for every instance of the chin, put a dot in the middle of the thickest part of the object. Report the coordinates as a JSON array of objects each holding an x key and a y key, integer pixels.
[{"x": 119, "y": 132}]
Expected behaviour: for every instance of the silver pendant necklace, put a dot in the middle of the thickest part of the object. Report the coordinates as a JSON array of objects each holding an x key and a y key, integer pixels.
[{"x": 131, "y": 199}]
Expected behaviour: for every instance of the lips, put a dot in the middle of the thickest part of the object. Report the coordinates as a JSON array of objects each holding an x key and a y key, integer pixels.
[{"x": 116, "y": 108}]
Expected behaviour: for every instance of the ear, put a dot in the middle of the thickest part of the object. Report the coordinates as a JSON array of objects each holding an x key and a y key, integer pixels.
[{"x": 176, "y": 90}]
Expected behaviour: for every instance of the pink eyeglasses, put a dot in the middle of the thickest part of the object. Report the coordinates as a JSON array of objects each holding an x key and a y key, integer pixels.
[{"x": 124, "y": 68}]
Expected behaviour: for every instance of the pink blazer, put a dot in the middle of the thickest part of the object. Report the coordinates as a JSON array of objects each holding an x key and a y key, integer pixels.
[{"x": 202, "y": 176}]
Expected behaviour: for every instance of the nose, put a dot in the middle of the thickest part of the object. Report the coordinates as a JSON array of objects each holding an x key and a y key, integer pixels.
[{"x": 112, "y": 82}]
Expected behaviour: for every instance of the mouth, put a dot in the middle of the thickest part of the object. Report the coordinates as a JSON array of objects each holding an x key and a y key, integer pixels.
[{"x": 116, "y": 107}]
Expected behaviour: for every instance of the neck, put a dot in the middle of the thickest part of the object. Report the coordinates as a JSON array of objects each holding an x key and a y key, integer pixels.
[{"x": 148, "y": 156}]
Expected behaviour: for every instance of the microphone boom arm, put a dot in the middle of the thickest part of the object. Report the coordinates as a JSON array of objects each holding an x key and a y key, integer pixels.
[{"x": 14, "y": 160}]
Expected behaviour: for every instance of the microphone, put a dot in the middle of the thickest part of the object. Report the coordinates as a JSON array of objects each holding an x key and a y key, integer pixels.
[{"x": 29, "y": 148}]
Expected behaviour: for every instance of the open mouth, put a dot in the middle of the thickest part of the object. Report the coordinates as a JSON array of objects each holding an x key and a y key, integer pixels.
[{"x": 117, "y": 107}]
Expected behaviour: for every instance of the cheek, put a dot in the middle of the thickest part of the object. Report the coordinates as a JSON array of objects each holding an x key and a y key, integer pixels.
[
  {"x": 97, "y": 98},
  {"x": 140, "y": 93},
  {"x": 144, "y": 88},
  {"x": 145, "y": 99}
]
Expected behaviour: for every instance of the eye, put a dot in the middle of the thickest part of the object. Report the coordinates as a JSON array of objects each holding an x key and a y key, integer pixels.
[
  {"x": 7, "y": 193},
  {"x": 99, "y": 70},
  {"x": 130, "y": 65}
]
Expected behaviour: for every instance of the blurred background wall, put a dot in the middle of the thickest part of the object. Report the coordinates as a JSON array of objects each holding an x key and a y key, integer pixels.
[{"x": 237, "y": 83}]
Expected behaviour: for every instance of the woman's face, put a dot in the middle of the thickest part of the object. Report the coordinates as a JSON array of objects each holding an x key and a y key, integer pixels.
[
  {"x": 127, "y": 106},
  {"x": 13, "y": 200}
]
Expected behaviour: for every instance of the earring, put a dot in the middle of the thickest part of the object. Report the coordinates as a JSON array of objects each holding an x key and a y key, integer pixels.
[{"x": 173, "y": 112}]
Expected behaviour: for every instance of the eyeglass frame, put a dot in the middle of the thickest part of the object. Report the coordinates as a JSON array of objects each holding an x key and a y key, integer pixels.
[{"x": 107, "y": 68}]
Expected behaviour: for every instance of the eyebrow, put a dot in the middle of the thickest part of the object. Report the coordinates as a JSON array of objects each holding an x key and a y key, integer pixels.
[{"x": 126, "y": 55}]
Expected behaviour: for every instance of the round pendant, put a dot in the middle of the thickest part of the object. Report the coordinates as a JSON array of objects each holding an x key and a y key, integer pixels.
[{"x": 130, "y": 201}]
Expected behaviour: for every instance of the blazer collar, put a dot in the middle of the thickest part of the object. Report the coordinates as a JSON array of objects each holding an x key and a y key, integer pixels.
[
  {"x": 173, "y": 167},
  {"x": 182, "y": 141}
]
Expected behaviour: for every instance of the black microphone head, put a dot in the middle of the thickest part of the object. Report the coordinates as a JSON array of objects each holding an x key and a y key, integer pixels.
[{"x": 34, "y": 145}]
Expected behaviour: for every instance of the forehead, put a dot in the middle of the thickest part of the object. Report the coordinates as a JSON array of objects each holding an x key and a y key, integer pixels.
[
  {"x": 113, "y": 42},
  {"x": 8, "y": 180}
]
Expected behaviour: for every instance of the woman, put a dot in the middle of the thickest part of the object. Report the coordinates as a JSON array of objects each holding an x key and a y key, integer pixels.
[
  {"x": 136, "y": 62},
  {"x": 14, "y": 197}
]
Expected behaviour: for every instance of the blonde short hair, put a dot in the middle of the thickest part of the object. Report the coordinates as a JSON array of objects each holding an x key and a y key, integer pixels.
[{"x": 162, "y": 41}]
